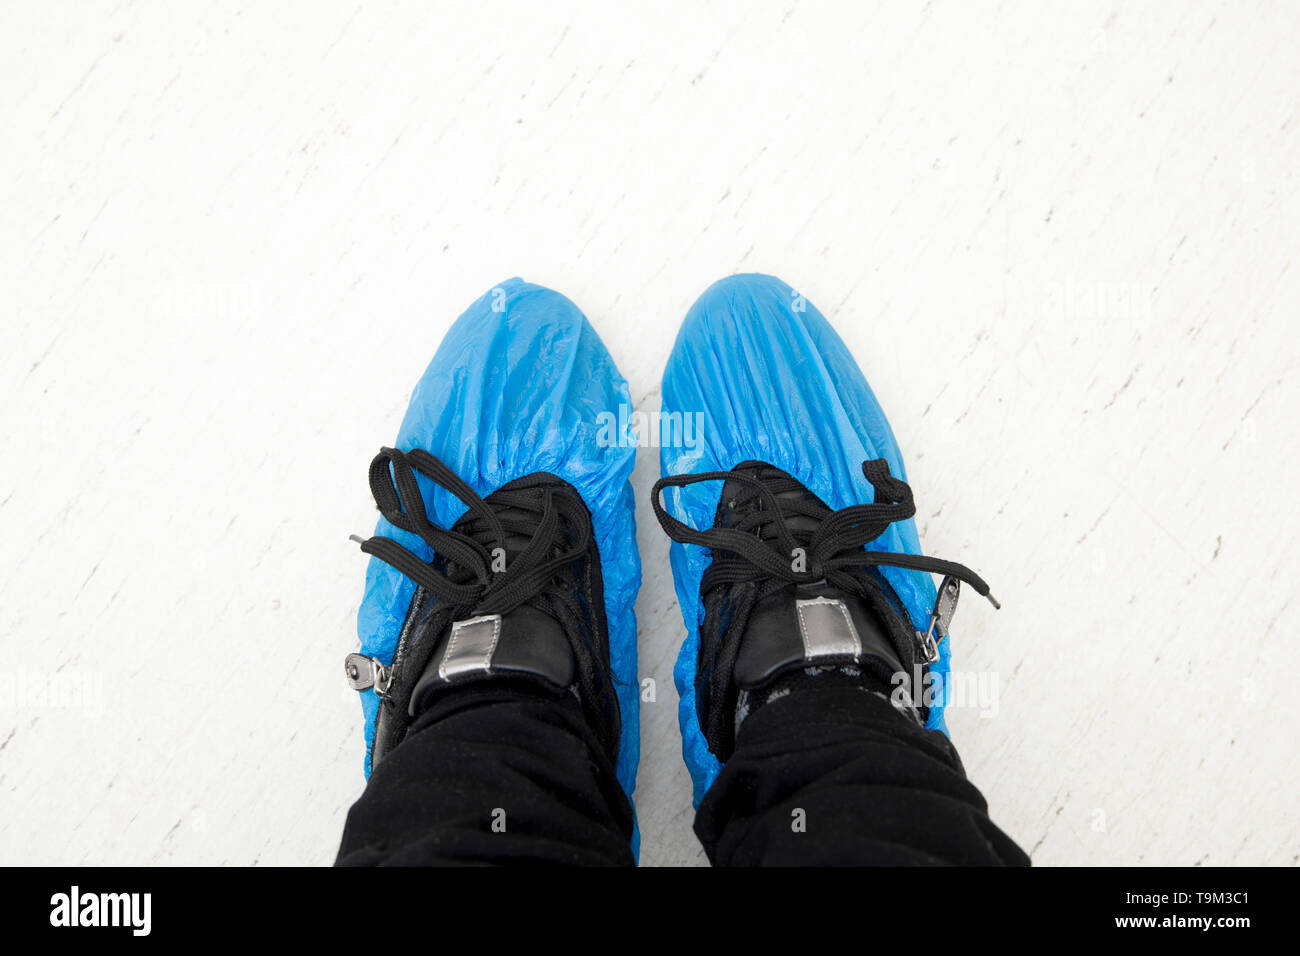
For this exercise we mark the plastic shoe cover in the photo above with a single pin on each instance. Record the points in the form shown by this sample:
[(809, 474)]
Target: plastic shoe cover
[(771, 381), (522, 384)]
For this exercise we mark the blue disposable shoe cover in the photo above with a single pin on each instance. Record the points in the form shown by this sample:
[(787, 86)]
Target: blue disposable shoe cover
[(771, 381), (522, 384)]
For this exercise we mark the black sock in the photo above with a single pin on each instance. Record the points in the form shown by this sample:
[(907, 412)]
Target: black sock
[(871, 677)]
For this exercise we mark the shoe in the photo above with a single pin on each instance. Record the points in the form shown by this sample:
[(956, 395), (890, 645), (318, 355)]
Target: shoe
[(794, 546), (501, 553)]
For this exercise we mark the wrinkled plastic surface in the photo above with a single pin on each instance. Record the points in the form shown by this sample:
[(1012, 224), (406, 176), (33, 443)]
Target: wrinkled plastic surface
[(773, 382), (518, 386)]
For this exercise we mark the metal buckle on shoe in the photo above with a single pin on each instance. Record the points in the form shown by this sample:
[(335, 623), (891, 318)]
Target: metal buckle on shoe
[(364, 673), (945, 606)]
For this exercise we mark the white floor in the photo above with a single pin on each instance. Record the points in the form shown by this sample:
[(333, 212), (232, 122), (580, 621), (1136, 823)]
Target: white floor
[(1061, 239)]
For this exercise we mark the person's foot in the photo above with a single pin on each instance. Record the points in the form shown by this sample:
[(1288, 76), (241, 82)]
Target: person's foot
[(795, 556), (501, 552)]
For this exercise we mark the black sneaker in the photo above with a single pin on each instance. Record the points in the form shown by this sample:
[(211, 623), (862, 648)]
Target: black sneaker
[(513, 594), (792, 588)]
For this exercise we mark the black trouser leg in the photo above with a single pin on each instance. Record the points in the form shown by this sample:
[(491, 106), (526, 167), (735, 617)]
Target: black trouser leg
[(838, 776), (492, 775)]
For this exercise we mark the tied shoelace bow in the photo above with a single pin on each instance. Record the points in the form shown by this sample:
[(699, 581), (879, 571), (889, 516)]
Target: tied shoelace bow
[(545, 519), (761, 545)]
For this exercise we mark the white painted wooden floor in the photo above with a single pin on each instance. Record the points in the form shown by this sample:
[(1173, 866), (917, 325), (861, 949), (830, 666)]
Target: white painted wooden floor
[(1061, 239)]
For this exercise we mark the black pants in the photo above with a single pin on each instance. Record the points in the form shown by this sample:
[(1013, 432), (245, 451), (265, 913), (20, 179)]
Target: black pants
[(821, 776)]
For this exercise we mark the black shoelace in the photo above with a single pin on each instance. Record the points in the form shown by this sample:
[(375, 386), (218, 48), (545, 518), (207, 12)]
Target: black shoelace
[(760, 546), (532, 513)]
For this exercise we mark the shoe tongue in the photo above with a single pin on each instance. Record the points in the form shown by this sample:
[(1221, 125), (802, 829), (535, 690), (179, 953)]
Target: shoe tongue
[(801, 625), (802, 525), (738, 501), (804, 625), (525, 644), (514, 542)]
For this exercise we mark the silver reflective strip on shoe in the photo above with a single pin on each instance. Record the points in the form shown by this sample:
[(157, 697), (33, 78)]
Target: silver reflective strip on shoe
[(471, 646), (827, 629)]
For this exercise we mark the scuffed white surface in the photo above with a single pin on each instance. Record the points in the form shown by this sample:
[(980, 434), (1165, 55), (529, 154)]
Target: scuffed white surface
[(1060, 238)]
